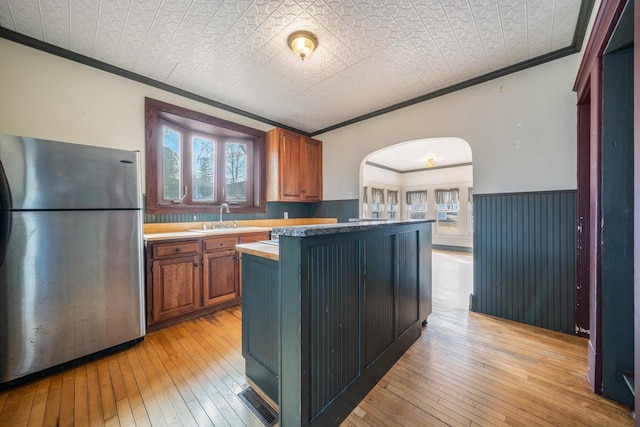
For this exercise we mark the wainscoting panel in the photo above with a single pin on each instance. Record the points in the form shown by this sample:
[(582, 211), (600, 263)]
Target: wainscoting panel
[(260, 309), (378, 295), (408, 281), (524, 257), (341, 209), (337, 287)]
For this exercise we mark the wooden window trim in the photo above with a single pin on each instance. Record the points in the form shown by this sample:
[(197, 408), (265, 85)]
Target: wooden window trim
[(157, 111)]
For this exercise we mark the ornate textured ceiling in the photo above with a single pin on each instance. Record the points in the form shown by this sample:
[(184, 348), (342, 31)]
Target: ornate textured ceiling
[(372, 55)]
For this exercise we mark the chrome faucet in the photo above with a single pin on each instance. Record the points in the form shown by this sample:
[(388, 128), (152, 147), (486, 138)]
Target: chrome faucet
[(223, 206)]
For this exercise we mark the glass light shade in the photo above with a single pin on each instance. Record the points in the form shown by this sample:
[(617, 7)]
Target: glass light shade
[(302, 43), (431, 163)]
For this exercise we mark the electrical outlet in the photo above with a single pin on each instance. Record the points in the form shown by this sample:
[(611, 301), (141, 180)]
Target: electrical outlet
[(286, 215)]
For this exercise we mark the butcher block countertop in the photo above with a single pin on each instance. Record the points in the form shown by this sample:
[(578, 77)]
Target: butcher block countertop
[(264, 250), (187, 234), (184, 230)]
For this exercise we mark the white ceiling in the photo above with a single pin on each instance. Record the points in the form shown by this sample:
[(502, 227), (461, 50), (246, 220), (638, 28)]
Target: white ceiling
[(371, 55), (413, 155)]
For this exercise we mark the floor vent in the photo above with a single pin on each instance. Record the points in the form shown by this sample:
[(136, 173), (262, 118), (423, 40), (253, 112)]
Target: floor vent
[(259, 407)]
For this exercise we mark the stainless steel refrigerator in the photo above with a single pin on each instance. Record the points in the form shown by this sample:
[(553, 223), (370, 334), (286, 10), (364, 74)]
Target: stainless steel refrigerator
[(71, 275)]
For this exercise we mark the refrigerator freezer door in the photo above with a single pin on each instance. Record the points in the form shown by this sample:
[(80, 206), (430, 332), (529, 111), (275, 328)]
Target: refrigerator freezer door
[(40, 174), (70, 286)]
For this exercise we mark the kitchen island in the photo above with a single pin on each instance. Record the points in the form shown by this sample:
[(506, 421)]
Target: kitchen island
[(328, 316)]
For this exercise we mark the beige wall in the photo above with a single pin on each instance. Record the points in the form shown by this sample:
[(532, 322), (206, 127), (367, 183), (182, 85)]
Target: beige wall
[(521, 127), (45, 96)]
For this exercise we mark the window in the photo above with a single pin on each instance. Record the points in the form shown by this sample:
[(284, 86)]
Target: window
[(196, 162), (447, 206), (377, 202), (392, 204), (417, 204)]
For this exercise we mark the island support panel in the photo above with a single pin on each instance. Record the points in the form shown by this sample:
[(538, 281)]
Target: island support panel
[(261, 322), (352, 304)]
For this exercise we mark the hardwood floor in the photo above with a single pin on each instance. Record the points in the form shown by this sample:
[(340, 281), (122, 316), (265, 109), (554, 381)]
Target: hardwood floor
[(466, 369)]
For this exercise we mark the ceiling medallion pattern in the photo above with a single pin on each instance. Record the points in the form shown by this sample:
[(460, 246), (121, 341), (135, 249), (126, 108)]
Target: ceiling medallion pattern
[(373, 53)]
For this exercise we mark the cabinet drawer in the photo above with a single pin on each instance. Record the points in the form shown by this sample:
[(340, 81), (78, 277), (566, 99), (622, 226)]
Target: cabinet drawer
[(220, 243), (178, 248), (252, 238)]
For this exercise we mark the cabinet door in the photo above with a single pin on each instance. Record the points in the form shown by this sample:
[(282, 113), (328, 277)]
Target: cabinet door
[(220, 277), (311, 170), (176, 286), (290, 173)]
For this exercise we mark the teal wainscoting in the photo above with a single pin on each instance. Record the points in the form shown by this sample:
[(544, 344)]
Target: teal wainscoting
[(341, 209), (525, 257)]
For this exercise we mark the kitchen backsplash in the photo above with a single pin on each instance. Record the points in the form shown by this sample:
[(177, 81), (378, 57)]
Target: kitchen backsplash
[(341, 209)]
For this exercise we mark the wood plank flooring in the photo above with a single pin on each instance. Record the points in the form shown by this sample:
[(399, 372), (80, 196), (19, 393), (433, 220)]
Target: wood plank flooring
[(467, 369)]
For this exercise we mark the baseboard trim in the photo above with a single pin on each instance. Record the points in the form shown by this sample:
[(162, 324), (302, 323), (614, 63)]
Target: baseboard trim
[(452, 248)]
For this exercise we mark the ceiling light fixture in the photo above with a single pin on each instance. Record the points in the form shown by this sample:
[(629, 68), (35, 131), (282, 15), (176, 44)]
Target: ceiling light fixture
[(431, 163), (302, 43)]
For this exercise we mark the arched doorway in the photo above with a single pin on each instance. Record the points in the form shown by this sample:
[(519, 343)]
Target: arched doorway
[(426, 178)]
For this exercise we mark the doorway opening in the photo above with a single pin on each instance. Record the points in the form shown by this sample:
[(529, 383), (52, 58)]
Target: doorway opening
[(429, 178)]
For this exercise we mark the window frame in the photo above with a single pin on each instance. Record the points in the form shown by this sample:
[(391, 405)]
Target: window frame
[(157, 114)]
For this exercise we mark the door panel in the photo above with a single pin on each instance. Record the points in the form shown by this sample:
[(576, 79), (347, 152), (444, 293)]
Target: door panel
[(220, 280), (70, 285), (176, 284), (312, 173), (74, 176), (290, 174)]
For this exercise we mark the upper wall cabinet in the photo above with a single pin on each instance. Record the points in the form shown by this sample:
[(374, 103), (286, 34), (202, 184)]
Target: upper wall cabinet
[(294, 167)]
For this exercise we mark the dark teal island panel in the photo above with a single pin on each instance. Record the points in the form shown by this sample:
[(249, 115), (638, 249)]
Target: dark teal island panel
[(409, 281), (379, 288), (351, 304), (334, 292), (260, 314)]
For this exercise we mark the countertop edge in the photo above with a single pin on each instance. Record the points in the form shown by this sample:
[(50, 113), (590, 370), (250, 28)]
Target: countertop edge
[(175, 235), (342, 227), (262, 250)]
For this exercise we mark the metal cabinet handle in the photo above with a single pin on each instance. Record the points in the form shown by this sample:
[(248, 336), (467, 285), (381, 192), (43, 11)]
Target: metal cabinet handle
[(178, 249)]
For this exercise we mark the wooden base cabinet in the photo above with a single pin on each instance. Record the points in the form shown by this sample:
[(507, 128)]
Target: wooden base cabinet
[(176, 286), (220, 277), (193, 277), (294, 167)]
